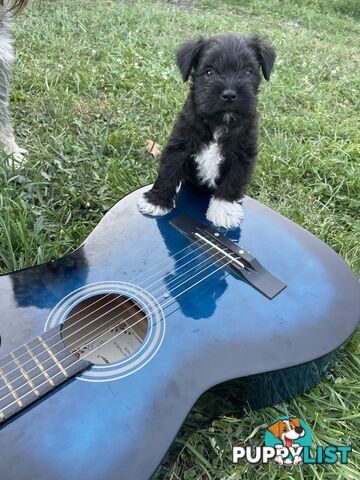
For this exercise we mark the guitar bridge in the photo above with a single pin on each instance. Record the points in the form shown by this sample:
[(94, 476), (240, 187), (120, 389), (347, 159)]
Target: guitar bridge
[(241, 261)]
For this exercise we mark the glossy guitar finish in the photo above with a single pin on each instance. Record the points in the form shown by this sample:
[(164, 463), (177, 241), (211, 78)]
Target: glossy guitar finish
[(223, 329)]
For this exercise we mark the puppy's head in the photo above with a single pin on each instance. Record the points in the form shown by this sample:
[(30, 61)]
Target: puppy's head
[(287, 429), (225, 70)]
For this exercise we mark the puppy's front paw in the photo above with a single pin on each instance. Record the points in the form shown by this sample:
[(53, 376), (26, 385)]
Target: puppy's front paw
[(20, 154), (224, 214), (148, 208), (12, 148)]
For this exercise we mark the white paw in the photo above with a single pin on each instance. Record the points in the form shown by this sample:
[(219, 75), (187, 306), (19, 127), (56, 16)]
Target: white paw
[(297, 460), (144, 206), (19, 154), (279, 460), (224, 214), (12, 149)]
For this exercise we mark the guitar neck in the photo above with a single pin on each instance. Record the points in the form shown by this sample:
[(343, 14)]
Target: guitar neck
[(33, 370)]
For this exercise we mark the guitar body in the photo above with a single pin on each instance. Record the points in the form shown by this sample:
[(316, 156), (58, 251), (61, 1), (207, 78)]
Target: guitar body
[(117, 421)]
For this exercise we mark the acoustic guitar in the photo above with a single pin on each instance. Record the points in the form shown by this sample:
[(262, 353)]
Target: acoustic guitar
[(105, 351)]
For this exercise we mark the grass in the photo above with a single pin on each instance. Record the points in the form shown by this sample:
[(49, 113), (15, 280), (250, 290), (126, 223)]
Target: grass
[(90, 85)]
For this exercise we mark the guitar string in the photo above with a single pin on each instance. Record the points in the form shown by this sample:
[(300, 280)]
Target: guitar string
[(110, 320), (118, 334), (166, 304), (96, 319), (204, 251), (107, 303), (134, 278)]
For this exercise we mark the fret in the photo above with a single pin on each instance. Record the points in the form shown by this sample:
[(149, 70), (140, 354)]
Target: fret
[(15, 391), (27, 356), (11, 388), (53, 356), (67, 360), (40, 366), (33, 370), (25, 375)]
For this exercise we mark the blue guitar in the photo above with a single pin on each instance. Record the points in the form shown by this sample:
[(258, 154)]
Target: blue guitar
[(105, 351)]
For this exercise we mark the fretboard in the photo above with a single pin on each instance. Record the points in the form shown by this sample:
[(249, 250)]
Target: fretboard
[(33, 370)]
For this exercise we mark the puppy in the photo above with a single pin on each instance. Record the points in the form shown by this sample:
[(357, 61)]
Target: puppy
[(7, 140), (214, 139), (287, 431)]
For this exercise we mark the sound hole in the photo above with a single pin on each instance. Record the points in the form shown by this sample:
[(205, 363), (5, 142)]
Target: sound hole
[(105, 328)]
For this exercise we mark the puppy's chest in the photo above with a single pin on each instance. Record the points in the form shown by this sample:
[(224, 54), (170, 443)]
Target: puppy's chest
[(208, 162)]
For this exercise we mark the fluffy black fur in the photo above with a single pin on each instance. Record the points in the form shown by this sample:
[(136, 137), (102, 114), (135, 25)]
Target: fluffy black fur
[(225, 74)]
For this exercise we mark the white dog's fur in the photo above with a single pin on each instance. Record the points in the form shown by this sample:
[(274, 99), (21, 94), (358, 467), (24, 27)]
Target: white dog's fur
[(7, 138), (208, 164), (224, 214), (149, 209)]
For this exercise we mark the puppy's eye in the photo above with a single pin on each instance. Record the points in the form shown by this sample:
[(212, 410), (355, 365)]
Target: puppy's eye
[(249, 71), (285, 429), (209, 72)]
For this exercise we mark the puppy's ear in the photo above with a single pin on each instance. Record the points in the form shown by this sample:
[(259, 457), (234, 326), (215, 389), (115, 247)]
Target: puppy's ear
[(188, 55), (276, 429), (295, 422), (266, 55)]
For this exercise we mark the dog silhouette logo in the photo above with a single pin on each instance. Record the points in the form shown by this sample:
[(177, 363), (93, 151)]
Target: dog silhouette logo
[(288, 435)]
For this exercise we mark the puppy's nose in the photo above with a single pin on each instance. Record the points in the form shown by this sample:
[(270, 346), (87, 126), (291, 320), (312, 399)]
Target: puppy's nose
[(299, 430), (228, 95)]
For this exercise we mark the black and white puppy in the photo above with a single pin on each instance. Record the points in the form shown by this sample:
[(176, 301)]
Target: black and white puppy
[(214, 139), (7, 138)]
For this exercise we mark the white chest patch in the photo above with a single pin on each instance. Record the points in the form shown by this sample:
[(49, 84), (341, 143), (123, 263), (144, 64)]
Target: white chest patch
[(208, 163)]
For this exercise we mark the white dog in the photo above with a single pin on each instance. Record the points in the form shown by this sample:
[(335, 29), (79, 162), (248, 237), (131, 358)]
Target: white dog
[(288, 431), (7, 140)]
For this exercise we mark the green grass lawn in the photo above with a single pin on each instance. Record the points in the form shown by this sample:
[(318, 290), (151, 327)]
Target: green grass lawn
[(91, 84)]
